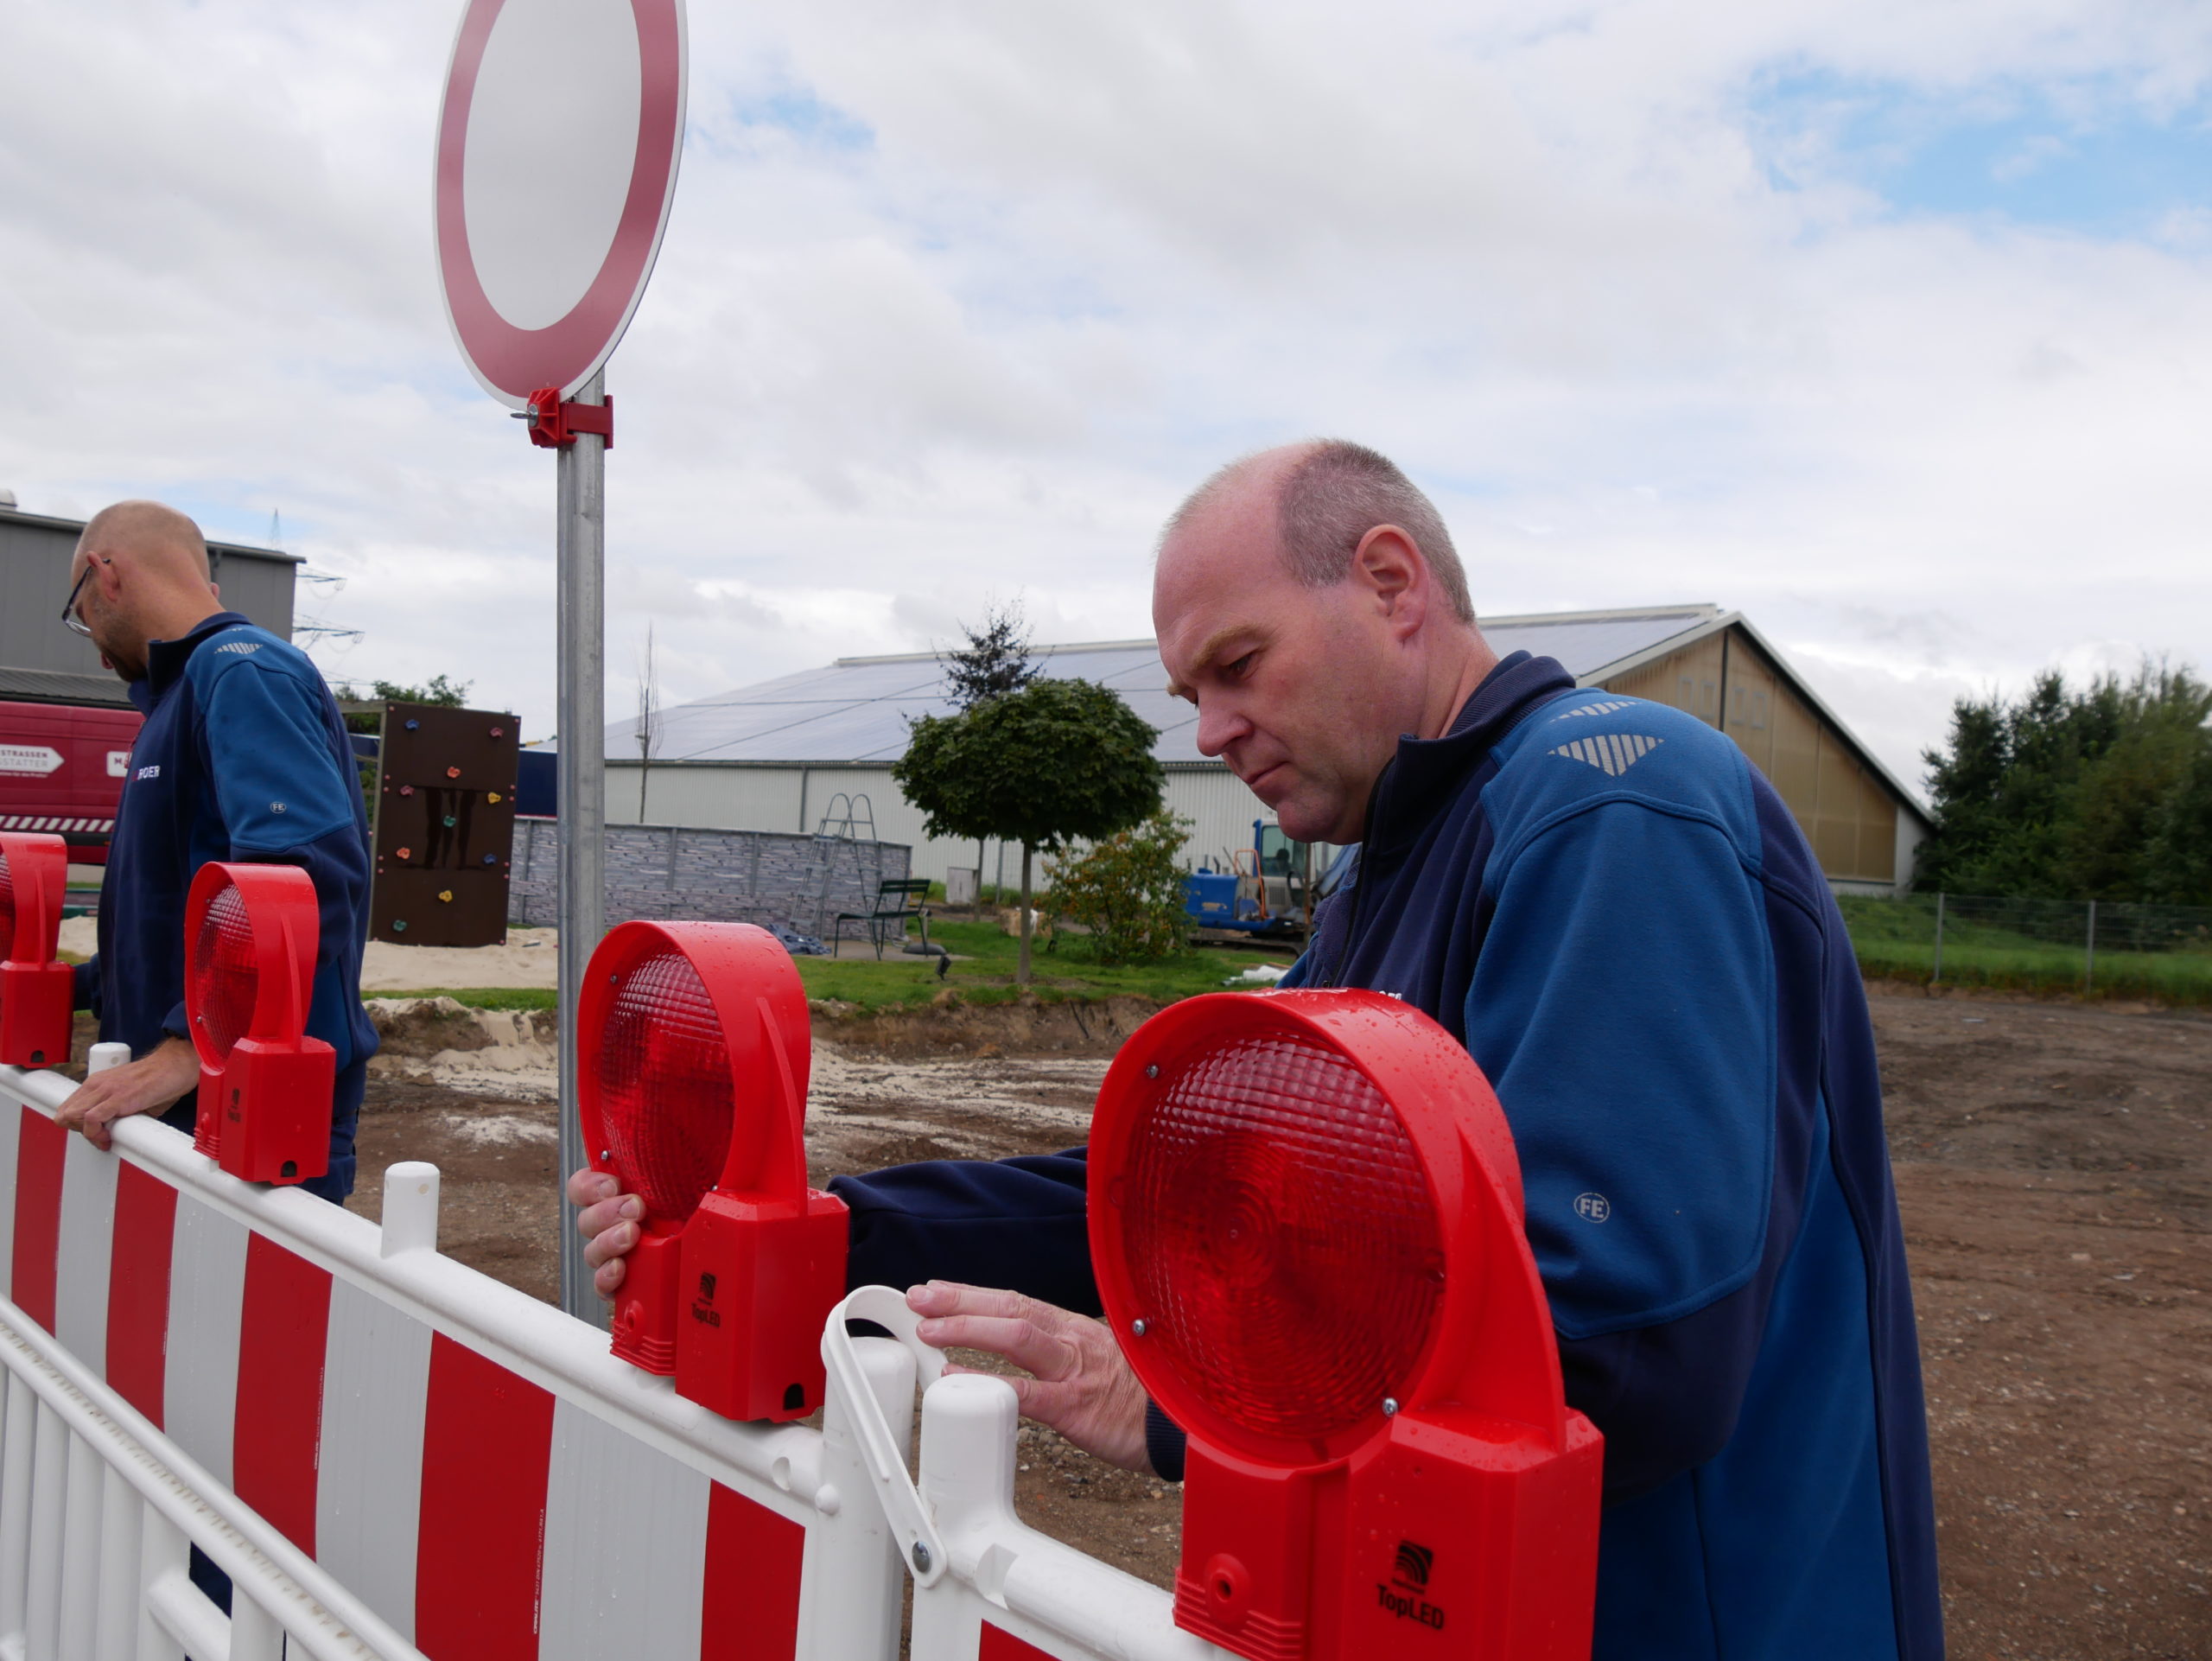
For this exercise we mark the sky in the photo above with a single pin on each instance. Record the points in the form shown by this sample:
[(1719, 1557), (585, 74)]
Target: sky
[(1886, 323)]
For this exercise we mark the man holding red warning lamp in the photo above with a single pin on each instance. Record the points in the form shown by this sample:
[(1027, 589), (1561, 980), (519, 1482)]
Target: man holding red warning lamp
[(1615, 912), (243, 757)]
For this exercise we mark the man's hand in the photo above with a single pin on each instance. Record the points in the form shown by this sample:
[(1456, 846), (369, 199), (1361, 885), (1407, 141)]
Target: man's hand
[(148, 1084), (1081, 1386), (609, 1219)]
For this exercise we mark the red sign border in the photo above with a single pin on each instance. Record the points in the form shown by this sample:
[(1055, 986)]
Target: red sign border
[(510, 362)]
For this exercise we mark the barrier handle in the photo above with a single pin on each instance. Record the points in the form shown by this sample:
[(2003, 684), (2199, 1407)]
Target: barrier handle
[(919, 1548)]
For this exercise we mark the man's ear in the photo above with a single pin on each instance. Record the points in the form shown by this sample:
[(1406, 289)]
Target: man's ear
[(1389, 566)]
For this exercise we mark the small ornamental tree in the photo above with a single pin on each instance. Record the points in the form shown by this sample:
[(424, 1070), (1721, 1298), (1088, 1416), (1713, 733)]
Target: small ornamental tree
[(995, 662), (1127, 891), (1057, 760)]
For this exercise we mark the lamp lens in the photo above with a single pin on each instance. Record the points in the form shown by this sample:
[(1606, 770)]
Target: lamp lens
[(226, 977), (665, 1097), (1282, 1236)]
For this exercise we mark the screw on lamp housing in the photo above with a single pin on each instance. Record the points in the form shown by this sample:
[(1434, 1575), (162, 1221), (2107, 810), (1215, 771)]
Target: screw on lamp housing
[(37, 988), (251, 933), (1314, 1198), (693, 1056)]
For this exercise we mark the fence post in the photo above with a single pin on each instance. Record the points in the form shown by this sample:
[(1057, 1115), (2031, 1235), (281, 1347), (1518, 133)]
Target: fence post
[(1937, 974), (2089, 957)]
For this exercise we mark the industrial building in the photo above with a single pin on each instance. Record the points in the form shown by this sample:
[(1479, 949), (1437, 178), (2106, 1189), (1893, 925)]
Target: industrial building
[(42, 661), (813, 751)]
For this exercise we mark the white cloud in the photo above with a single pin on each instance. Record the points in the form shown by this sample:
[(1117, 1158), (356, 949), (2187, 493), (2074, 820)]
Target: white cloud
[(956, 302)]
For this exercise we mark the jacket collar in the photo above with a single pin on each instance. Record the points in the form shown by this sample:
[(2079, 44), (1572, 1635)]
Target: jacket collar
[(165, 660), (1425, 774)]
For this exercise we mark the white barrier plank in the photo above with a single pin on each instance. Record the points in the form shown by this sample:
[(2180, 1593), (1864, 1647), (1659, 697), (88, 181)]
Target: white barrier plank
[(369, 1496), (11, 1130), (625, 1542), (200, 1384), (80, 1268)]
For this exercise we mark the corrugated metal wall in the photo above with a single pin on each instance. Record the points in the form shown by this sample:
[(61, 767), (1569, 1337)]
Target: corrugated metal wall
[(789, 798), (1845, 809)]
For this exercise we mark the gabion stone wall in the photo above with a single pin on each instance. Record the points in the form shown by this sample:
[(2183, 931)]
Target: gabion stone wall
[(669, 872)]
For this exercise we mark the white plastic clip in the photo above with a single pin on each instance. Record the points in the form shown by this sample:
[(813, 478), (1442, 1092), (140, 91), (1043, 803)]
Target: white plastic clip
[(919, 1548)]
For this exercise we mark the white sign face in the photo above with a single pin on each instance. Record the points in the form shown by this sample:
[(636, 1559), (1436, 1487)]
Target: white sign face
[(557, 153), (35, 759), (118, 764)]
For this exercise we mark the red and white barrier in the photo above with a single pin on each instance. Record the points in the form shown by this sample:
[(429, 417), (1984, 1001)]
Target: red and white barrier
[(468, 1466)]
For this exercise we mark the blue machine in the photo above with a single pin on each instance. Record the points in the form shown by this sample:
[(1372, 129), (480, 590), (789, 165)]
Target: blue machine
[(1264, 892)]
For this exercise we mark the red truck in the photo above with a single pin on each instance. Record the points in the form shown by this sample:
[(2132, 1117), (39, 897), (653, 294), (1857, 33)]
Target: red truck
[(62, 769)]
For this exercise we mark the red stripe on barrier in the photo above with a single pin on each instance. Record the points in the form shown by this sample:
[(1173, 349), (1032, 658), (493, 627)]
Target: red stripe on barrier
[(41, 1146), (750, 1609), (1005, 1646), (283, 1324), (480, 1552), (138, 1288)]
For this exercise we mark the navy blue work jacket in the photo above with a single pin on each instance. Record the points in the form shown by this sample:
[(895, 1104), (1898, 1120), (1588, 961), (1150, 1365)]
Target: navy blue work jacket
[(1616, 914), (244, 757)]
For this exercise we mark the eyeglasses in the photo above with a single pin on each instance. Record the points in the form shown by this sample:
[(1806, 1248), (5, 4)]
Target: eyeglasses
[(69, 606)]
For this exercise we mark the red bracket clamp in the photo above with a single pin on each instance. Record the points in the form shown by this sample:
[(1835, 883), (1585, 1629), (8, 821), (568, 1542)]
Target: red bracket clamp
[(553, 425)]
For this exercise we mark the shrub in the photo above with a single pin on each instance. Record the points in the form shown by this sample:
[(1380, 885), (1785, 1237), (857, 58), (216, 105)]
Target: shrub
[(1127, 891)]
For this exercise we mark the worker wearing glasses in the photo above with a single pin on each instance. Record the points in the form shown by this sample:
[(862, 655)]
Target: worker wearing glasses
[(243, 756)]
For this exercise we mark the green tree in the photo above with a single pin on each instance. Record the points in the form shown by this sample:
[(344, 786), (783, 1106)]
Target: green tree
[(2073, 794), (1127, 891), (995, 662), (1057, 761), (446, 694)]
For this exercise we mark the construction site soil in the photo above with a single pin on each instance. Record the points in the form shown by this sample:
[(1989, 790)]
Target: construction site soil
[(2054, 1168)]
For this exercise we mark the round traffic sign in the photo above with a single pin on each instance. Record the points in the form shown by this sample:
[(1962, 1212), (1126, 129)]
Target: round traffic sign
[(557, 150)]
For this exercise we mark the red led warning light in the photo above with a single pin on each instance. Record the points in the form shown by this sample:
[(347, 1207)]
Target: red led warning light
[(693, 1056), (251, 933), (1312, 1248), (35, 989)]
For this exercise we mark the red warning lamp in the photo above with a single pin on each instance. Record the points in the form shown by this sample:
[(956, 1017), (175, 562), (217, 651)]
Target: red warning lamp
[(691, 1069), (35, 990), (1311, 1245), (250, 932)]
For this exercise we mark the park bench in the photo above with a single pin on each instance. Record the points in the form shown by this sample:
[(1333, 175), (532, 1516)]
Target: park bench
[(897, 902)]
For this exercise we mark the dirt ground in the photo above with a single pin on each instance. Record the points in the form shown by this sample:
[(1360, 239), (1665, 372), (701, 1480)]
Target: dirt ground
[(2054, 1170)]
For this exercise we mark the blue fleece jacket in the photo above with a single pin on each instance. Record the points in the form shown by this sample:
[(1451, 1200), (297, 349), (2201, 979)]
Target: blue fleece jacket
[(244, 757), (1614, 912)]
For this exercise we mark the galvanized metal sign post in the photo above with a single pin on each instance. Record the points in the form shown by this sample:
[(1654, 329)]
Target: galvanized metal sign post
[(557, 148)]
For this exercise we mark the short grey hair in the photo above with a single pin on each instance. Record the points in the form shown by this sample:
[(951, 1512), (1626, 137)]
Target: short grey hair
[(1329, 498)]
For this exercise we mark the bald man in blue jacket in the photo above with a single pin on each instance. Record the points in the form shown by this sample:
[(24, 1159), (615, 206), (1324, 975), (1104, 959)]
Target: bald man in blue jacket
[(243, 757), (1609, 906)]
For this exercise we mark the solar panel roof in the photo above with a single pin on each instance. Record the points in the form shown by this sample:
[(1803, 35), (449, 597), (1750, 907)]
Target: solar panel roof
[(857, 708)]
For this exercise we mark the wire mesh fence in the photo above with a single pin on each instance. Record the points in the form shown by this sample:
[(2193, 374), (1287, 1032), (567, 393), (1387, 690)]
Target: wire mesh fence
[(2102, 947)]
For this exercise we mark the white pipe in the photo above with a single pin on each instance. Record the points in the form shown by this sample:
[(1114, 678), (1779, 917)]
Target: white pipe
[(15, 1438), (120, 1509), (968, 1422), (162, 1552), (80, 1554), (49, 1491), (181, 1610)]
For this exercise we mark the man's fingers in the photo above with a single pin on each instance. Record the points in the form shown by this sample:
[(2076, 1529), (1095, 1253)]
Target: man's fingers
[(608, 1213), (609, 1246), (941, 1298), (588, 1187), (607, 1277), (1047, 1354)]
